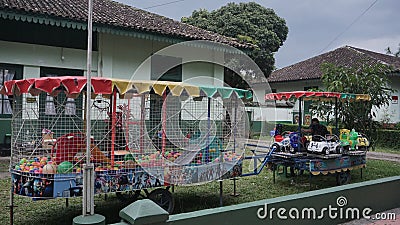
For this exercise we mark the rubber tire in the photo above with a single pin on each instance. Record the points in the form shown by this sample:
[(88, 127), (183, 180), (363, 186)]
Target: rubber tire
[(163, 198), (277, 149), (338, 150), (325, 151), (128, 196), (343, 178)]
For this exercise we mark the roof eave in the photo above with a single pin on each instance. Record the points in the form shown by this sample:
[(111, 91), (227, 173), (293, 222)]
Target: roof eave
[(32, 17)]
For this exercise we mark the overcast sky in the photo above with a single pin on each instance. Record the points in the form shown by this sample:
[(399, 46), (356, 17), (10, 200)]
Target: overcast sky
[(313, 24)]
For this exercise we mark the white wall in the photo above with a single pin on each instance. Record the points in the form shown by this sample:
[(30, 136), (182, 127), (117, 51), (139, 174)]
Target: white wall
[(295, 86), (120, 56), (271, 114), (34, 56), (392, 111)]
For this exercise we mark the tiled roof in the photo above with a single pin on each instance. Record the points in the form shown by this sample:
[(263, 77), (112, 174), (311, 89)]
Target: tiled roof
[(107, 12), (346, 56)]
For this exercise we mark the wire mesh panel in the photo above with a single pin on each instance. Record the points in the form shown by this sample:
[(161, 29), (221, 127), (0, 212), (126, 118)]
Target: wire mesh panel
[(140, 138)]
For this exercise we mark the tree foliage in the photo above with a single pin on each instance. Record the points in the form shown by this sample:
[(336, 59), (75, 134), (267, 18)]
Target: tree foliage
[(365, 79), (247, 22), (390, 52)]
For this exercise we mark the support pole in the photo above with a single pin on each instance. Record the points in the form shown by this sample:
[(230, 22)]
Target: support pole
[(113, 124), (300, 123), (207, 155), (220, 193), (336, 117), (234, 194), (11, 204), (164, 124), (88, 216), (11, 188), (235, 125), (142, 122), (88, 176)]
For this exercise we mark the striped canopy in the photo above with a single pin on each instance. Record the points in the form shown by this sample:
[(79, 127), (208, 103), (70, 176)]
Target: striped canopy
[(73, 86), (318, 96)]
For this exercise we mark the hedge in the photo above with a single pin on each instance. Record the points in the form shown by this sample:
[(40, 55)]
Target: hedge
[(388, 139)]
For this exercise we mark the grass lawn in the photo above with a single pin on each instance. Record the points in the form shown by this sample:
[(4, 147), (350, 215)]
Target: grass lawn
[(186, 198)]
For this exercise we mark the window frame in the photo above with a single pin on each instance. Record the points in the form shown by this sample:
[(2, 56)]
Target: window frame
[(17, 76)]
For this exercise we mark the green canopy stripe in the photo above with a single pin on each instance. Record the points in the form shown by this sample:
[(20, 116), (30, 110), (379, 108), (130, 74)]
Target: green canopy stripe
[(225, 92)]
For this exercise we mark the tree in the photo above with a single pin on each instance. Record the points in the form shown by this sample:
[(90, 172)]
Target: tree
[(367, 78), (247, 22), (396, 54)]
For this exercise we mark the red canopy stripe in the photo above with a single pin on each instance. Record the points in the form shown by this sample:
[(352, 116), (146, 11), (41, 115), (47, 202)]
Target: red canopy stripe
[(74, 85), (101, 85), (299, 94)]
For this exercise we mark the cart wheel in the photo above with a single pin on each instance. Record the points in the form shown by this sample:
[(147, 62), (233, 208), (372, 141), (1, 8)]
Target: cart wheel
[(338, 150), (346, 149), (163, 198), (276, 146), (325, 151), (128, 196), (343, 178), (296, 172)]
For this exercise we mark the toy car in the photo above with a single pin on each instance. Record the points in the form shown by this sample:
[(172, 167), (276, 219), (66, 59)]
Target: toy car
[(352, 140), (281, 142), (287, 142), (325, 145), (362, 142)]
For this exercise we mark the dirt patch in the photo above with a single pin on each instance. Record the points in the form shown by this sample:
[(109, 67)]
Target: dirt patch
[(384, 156)]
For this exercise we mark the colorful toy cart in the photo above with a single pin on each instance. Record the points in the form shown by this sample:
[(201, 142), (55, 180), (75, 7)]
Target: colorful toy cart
[(333, 97), (331, 160), (145, 134)]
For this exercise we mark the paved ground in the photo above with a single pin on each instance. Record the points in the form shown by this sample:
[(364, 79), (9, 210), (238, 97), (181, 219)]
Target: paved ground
[(384, 156)]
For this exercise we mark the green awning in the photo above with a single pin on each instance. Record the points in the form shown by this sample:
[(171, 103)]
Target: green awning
[(225, 92)]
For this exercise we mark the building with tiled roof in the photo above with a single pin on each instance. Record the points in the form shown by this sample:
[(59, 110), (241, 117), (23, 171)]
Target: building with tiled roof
[(346, 56), (307, 75), (42, 38), (107, 15)]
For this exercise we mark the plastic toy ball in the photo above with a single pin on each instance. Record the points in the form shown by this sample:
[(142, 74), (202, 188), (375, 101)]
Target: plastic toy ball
[(129, 157), (65, 167), (49, 169), (22, 161)]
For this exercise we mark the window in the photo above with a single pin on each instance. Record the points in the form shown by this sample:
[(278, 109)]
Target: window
[(60, 103), (59, 113), (8, 72), (308, 104)]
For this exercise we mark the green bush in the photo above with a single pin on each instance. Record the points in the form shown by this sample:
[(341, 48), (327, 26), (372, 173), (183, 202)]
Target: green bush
[(388, 139)]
